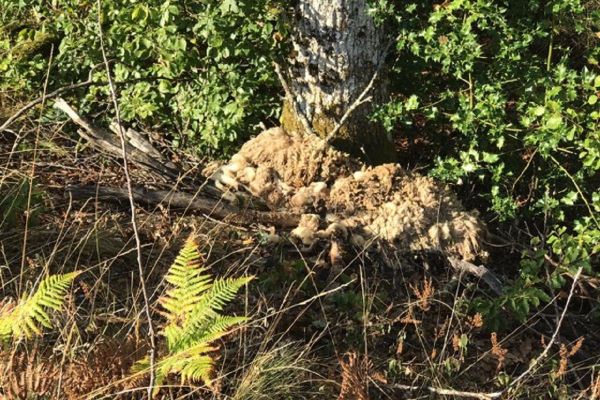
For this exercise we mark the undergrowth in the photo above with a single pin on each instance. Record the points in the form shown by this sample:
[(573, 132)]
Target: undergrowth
[(499, 99), (192, 309)]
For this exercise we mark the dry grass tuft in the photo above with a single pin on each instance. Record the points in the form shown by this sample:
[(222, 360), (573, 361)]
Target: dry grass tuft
[(274, 374)]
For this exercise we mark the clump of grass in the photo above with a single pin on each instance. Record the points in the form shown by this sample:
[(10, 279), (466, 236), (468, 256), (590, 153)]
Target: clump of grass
[(278, 373)]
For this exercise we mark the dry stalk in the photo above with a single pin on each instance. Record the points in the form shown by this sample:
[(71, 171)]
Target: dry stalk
[(595, 388), (424, 295), (138, 244), (565, 354)]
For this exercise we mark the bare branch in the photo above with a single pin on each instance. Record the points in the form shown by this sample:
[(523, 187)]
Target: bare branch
[(41, 100), (361, 99)]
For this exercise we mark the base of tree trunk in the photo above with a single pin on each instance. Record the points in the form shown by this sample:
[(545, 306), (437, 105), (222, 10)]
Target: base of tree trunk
[(360, 138)]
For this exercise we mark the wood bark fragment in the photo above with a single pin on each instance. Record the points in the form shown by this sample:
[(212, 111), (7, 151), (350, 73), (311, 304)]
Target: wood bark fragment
[(479, 271), (109, 143)]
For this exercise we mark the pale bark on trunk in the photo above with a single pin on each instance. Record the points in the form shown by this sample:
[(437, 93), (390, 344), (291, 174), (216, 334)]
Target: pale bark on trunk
[(337, 48)]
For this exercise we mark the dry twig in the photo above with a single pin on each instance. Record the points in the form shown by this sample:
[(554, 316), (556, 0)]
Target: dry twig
[(138, 243)]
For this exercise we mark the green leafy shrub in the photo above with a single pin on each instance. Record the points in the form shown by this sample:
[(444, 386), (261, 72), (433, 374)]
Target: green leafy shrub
[(25, 318), (192, 307), (507, 94), (197, 69)]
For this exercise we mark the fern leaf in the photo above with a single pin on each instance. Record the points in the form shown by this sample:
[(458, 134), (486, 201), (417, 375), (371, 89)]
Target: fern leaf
[(193, 364), (191, 305), (214, 329), (213, 301), (198, 369), (189, 281), (223, 323), (25, 318)]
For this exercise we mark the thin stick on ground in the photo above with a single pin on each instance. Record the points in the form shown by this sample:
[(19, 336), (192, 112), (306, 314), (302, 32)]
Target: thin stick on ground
[(138, 243), (32, 173)]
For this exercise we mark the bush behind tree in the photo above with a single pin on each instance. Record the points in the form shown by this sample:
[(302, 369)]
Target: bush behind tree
[(199, 70), (507, 91)]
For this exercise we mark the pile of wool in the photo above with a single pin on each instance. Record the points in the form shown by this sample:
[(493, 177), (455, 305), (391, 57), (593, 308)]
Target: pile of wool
[(343, 199)]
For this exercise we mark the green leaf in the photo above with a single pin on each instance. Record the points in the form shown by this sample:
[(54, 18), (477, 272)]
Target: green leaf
[(539, 111), (570, 198), (554, 122)]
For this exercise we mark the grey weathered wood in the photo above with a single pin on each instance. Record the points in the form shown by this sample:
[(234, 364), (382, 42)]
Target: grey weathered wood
[(109, 143), (186, 201), (479, 271)]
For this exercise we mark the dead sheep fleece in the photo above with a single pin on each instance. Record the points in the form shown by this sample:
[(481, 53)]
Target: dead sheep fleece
[(341, 197)]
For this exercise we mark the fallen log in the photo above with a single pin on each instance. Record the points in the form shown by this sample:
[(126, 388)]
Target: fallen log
[(198, 203)]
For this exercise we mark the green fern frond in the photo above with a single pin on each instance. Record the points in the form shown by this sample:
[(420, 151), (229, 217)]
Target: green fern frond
[(198, 369), (204, 314), (25, 318), (223, 323), (212, 330), (186, 275), (191, 305), (175, 362), (223, 291)]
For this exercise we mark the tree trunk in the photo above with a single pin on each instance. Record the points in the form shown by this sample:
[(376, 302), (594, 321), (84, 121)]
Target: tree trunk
[(337, 48)]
